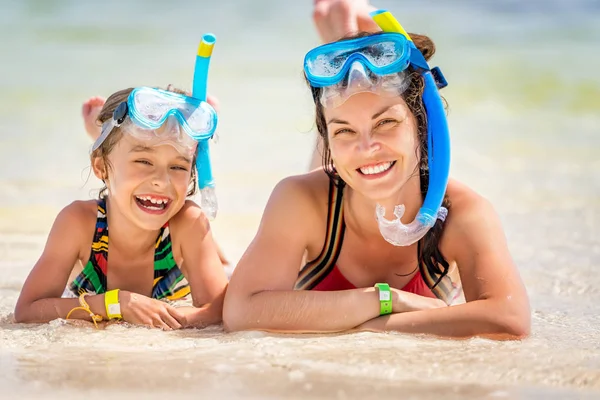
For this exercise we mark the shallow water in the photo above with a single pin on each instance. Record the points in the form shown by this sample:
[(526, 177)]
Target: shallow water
[(524, 100)]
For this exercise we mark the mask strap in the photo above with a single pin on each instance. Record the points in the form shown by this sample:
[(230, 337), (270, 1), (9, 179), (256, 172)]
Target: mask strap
[(117, 119)]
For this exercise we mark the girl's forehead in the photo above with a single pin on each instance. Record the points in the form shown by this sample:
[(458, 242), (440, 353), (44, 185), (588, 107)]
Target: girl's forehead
[(165, 149), (126, 143)]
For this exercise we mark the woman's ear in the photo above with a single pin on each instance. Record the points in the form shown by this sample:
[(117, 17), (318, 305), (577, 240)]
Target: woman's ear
[(332, 162), (100, 168)]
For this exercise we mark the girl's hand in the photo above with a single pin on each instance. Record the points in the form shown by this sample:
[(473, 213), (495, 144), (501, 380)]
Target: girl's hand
[(141, 310)]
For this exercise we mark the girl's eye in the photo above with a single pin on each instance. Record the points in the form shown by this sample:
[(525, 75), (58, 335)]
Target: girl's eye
[(180, 168), (145, 162)]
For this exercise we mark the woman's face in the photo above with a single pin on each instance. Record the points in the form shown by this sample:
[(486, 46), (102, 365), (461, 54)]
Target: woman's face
[(374, 144)]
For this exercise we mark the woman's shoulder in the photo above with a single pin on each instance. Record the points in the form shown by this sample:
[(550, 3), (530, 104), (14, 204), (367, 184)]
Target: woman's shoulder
[(295, 216), (465, 202), (310, 185), (469, 215), (306, 192)]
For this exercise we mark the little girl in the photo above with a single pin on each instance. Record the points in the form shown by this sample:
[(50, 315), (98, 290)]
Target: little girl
[(161, 245), (91, 109)]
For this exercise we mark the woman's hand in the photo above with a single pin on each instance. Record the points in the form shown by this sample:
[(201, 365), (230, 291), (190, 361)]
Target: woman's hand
[(141, 310), (405, 301)]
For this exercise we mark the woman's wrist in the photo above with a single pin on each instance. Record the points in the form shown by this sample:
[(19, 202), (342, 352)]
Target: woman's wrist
[(398, 301), (385, 298)]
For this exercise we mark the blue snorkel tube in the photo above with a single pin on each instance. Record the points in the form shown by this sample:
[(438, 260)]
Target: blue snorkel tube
[(438, 146), (438, 150), (206, 182)]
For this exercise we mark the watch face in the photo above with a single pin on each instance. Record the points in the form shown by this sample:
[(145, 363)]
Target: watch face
[(114, 309), (384, 296)]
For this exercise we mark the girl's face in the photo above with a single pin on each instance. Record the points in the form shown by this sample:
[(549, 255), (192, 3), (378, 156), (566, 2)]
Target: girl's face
[(148, 184), (374, 144)]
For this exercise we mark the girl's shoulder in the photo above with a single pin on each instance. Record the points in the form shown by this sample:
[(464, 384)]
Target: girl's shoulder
[(81, 213), (191, 219), (76, 221)]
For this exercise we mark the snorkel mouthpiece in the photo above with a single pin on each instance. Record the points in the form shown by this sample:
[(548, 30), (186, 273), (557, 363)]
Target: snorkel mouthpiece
[(399, 234), (206, 182), (438, 149)]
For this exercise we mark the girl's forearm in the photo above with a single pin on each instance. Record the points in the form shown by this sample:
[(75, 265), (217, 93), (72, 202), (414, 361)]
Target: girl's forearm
[(45, 310)]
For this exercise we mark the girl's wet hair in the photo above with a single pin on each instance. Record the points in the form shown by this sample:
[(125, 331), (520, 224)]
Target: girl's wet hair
[(108, 145), (430, 256)]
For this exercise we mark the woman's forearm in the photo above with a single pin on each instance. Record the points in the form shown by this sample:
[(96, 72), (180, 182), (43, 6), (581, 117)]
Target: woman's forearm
[(303, 311), (487, 318)]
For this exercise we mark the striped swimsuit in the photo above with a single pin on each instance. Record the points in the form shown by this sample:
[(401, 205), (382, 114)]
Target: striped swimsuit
[(169, 282), (322, 273)]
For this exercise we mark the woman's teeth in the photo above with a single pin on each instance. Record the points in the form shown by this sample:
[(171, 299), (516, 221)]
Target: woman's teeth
[(376, 169)]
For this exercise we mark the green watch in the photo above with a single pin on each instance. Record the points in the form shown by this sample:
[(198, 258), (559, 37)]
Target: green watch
[(385, 298)]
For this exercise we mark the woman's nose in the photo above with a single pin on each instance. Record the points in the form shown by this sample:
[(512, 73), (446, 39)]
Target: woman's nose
[(369, 144)]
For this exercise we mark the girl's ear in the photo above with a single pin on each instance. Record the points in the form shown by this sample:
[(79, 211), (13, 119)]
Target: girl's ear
[(99, 167)]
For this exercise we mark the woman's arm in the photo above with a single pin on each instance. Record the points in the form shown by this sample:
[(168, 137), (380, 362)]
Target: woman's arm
[(497, 304), (202, 265), (260, 294)]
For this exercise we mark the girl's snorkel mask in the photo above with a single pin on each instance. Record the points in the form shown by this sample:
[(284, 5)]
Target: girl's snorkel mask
[(163, 117), (377, 64)]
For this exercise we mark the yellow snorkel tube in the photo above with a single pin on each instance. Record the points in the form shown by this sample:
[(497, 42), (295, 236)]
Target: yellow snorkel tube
[(388, 23)]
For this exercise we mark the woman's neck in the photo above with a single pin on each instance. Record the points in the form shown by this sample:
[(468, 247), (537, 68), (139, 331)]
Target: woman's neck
[(360, 210)]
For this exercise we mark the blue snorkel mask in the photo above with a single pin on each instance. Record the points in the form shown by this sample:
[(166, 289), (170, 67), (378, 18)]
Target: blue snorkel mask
[(378, 64), (185, 122)]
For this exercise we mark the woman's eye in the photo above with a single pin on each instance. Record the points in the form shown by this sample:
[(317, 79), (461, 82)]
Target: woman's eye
[(386, 121), (343, 130)]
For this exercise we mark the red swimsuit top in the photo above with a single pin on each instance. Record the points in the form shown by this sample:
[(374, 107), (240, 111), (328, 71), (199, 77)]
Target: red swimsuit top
[(322, 273)]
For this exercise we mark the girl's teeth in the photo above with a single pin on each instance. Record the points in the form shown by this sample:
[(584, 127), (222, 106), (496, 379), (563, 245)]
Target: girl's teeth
[(153, 200)]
